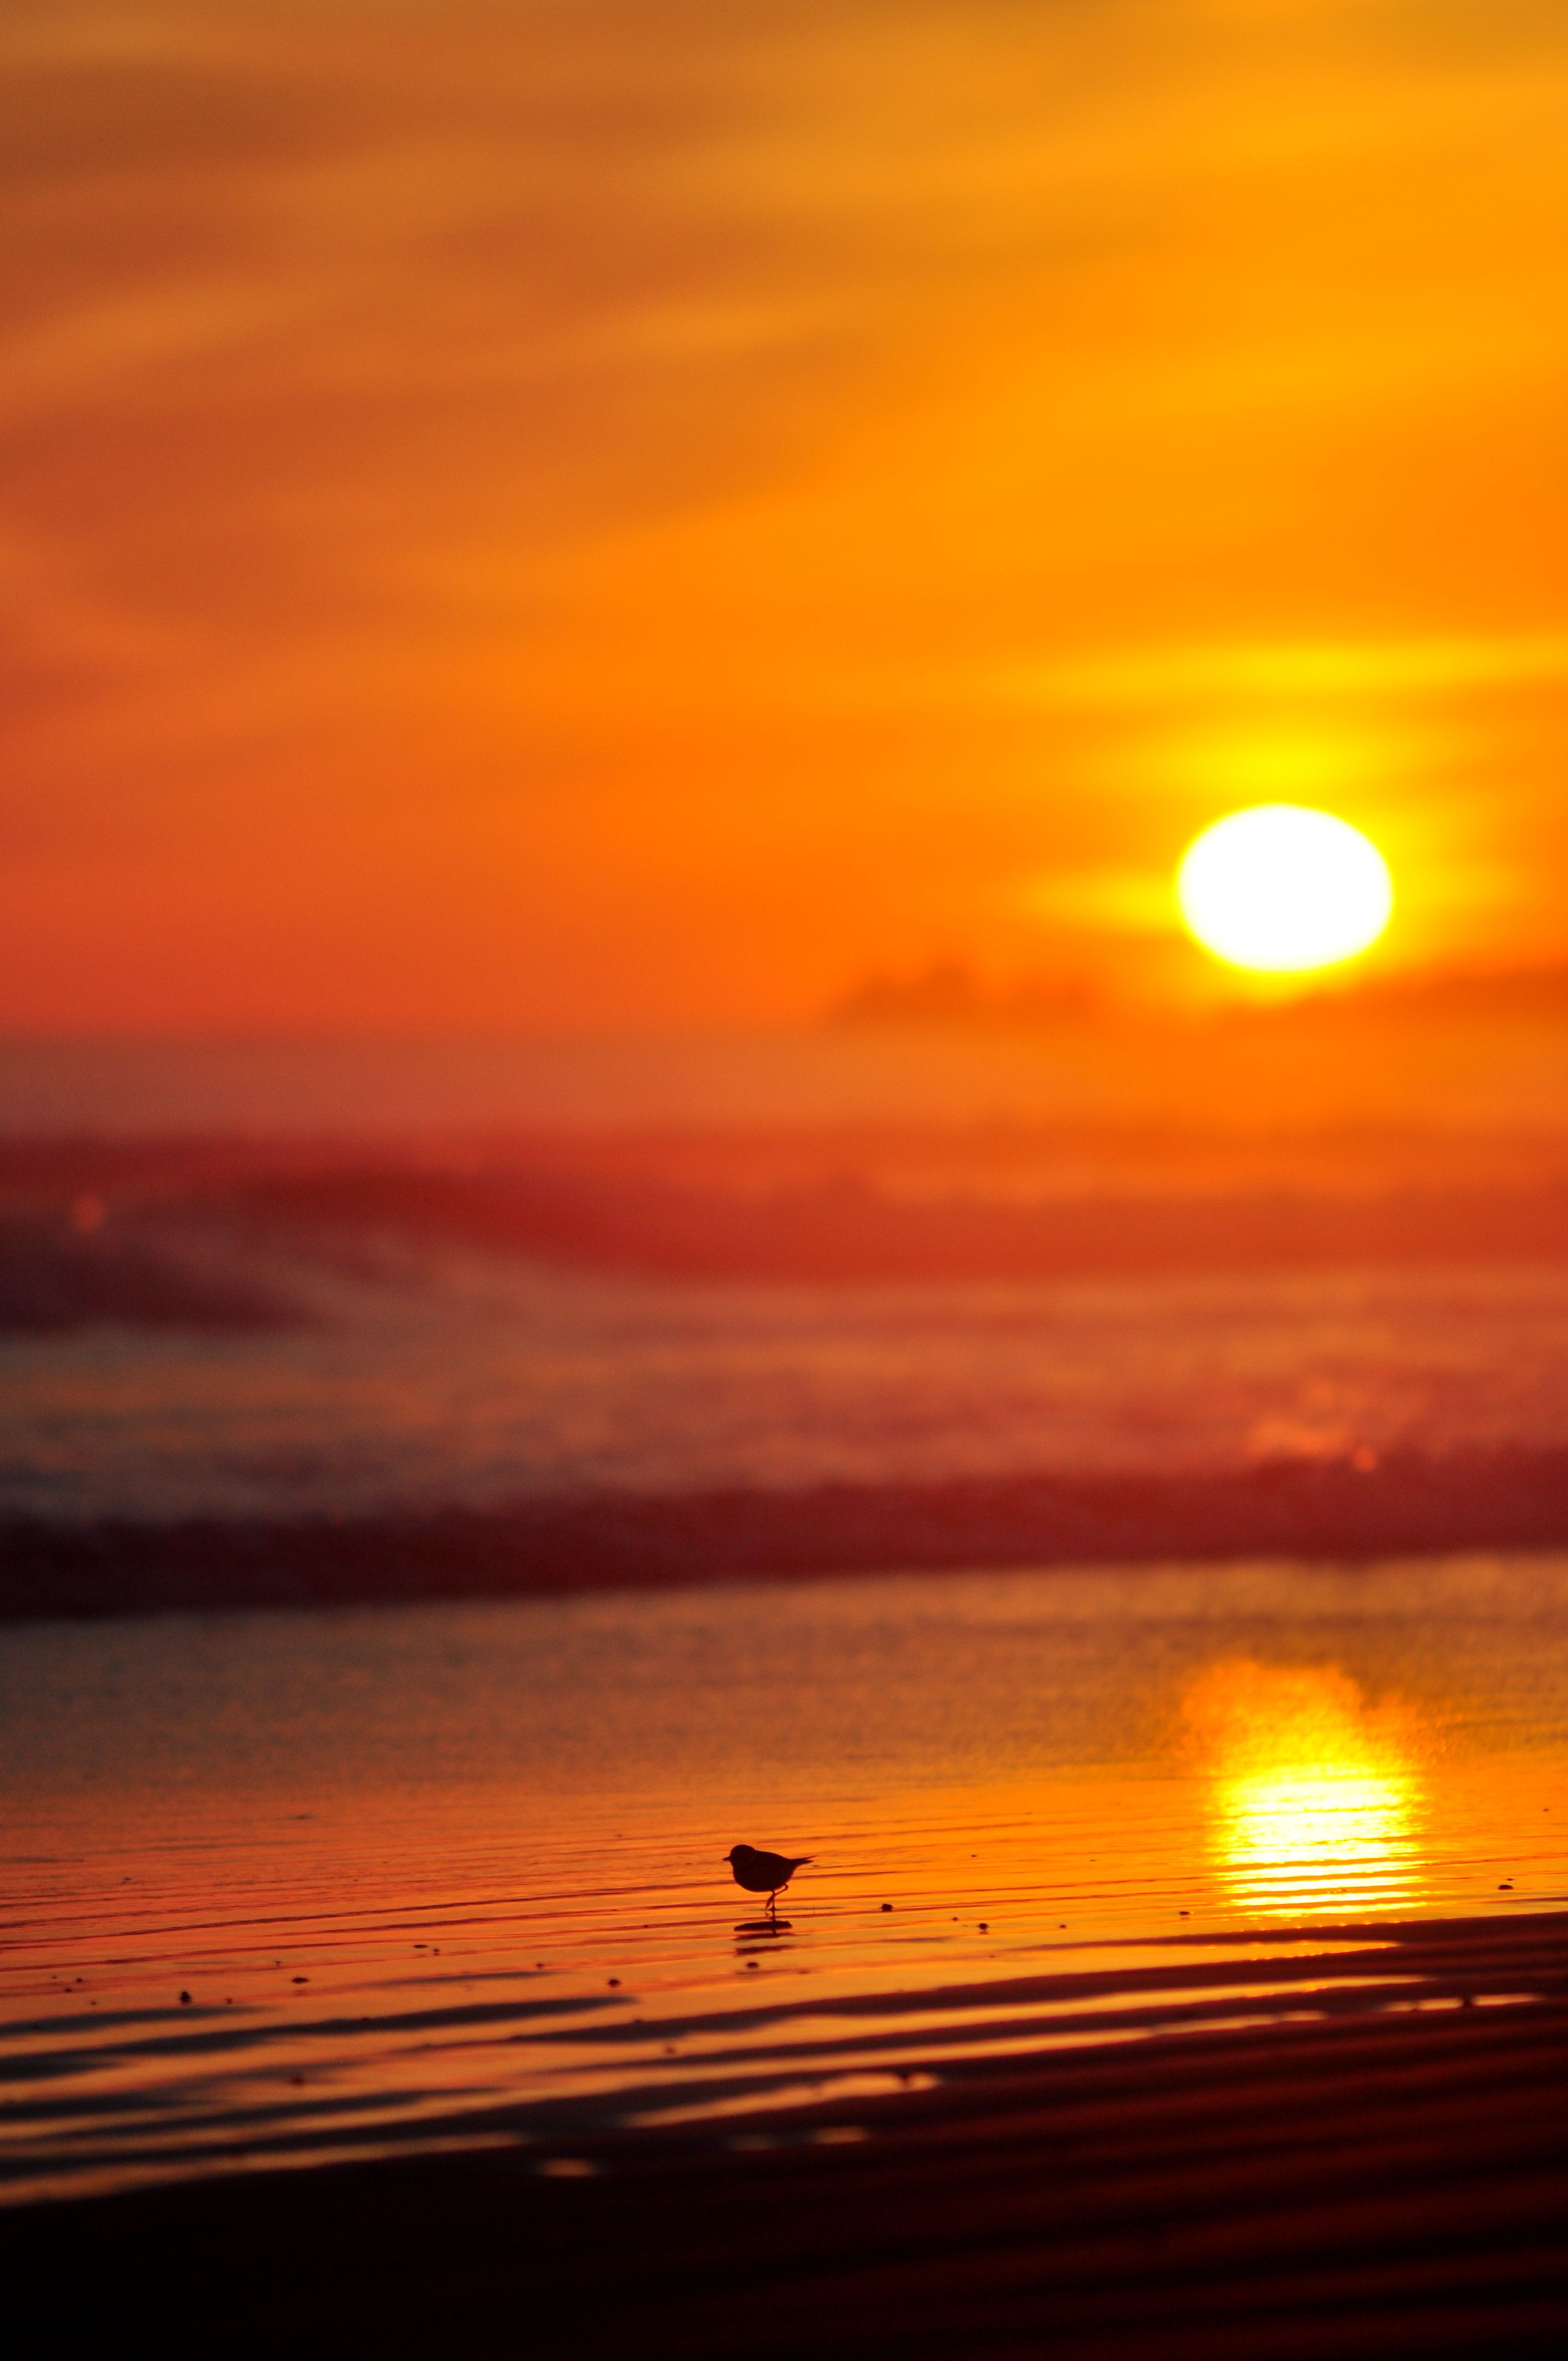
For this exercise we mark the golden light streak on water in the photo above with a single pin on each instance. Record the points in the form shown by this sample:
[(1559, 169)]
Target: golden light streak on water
[(1319, 1840), (1315, 1800)]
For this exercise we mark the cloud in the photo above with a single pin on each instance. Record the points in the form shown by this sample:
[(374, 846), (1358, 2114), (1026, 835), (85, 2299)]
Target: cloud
[(1325, 669)]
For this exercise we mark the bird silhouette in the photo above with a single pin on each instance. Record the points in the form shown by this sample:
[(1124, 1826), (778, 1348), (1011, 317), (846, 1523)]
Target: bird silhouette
[(763, 1873)]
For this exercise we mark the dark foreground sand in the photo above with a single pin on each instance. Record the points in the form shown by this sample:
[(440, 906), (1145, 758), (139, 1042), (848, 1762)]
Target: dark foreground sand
[(1372, 2184)]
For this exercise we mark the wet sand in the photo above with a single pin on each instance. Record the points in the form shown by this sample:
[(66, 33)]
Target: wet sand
[(1377, 2182), (1182, 1969), (285, 1891)]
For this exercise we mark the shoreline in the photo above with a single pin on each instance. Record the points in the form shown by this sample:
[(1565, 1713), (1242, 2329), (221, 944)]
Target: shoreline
[(1377, 2182), (1407, 1504)]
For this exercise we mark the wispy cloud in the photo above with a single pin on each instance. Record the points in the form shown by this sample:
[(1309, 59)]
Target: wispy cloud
[(1321, 669)]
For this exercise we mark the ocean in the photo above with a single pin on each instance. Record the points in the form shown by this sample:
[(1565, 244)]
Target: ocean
[(1127, 1557)]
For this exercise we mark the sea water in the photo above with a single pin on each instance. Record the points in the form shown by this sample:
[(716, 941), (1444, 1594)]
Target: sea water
[(436, 1379)]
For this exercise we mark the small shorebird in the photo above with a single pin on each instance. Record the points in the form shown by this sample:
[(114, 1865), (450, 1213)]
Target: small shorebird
[(763, 1873)]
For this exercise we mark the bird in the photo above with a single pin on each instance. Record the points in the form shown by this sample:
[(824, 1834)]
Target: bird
[(763, 1873)]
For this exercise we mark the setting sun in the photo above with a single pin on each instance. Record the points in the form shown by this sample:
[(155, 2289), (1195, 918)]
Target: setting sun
[(1281, 888)]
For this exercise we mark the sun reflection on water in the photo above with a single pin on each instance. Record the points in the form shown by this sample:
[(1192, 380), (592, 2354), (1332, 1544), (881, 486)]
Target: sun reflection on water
[(1314, 1795)]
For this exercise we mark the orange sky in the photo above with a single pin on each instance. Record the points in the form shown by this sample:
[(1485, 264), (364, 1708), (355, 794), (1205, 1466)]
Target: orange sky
[(626, 512)]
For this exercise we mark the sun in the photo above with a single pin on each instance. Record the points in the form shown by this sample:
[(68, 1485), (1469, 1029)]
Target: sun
[(1279, 888)]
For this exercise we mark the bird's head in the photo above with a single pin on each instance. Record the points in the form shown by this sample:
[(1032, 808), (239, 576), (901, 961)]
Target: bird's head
[(738, 1853)]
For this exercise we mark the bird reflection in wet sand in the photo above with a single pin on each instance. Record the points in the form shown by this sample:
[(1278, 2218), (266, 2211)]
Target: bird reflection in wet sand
[(763, 1873)]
